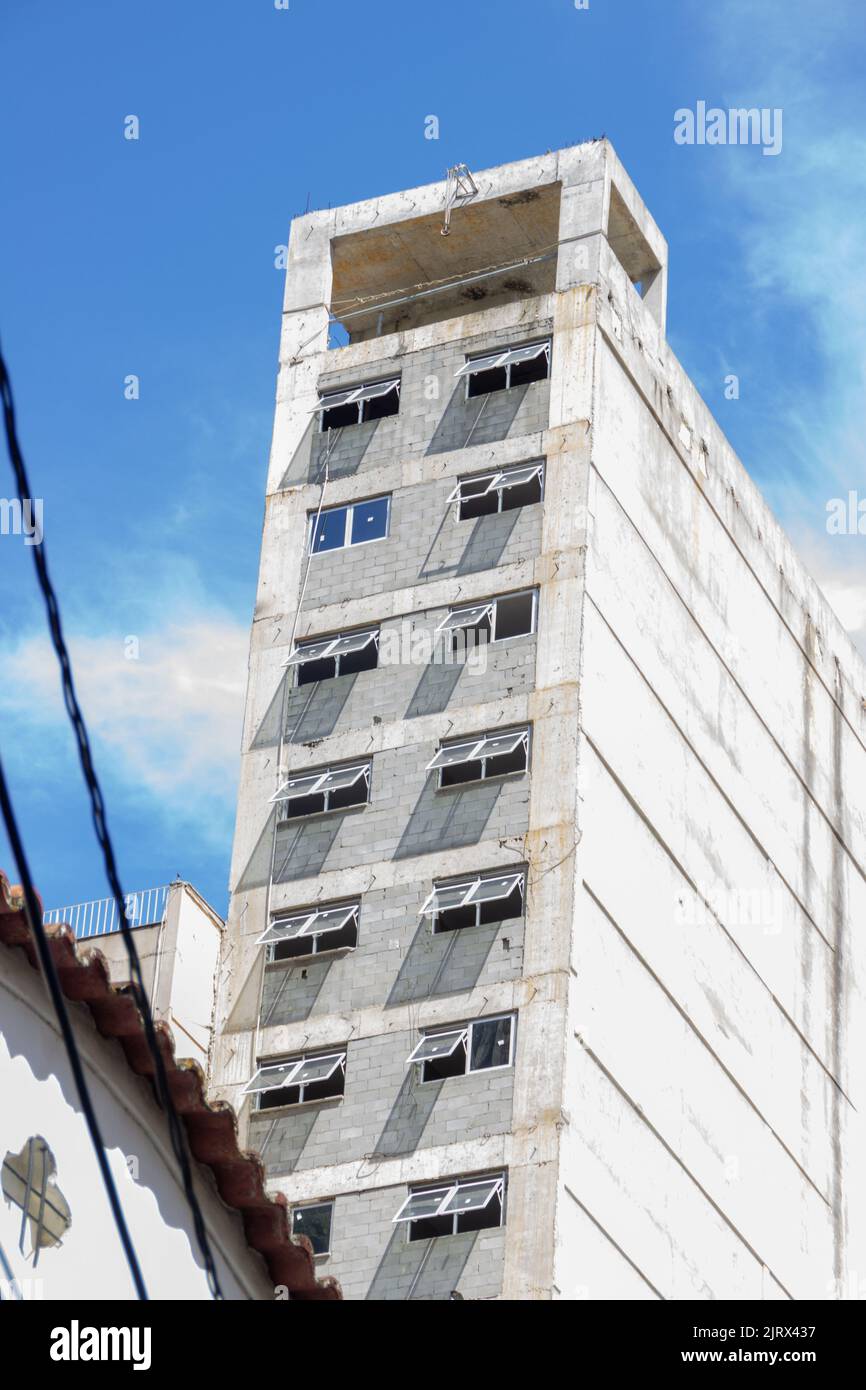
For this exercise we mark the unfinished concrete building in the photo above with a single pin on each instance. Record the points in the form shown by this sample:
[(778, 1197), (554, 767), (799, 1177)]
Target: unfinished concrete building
[(543, 976)]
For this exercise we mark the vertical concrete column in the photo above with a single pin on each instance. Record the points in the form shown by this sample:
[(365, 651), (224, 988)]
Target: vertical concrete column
[(303, 347), (551, 842)]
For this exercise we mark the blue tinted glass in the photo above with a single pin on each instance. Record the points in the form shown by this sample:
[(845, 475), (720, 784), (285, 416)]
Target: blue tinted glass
[(369, 520), (330, 531)]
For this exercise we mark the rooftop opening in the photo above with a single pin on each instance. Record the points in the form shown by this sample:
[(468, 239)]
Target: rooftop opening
[(406, 274), (630, 246)]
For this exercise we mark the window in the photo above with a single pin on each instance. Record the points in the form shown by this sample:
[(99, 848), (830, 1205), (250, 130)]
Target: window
[(483, 1045), (467, 1204), (343, 655), (312, 931), (498, 492), (298, 1079), (474, 902), (371, 402), (476, 759), (335, 528), (314, 1222), (331, 789), (498, 371), (513, 615)]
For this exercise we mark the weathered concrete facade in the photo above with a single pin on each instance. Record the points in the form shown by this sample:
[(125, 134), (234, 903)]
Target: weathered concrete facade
[(680, 1117)]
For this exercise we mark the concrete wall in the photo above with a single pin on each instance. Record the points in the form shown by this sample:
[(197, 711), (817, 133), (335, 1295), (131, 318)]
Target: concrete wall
[(40, 1099), (179, 962), (679, 1121)]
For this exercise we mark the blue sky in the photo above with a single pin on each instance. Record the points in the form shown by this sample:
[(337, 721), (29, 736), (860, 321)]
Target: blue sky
[(156, 257)]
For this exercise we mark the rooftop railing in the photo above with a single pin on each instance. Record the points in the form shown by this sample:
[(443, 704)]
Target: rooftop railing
[(98, 918)]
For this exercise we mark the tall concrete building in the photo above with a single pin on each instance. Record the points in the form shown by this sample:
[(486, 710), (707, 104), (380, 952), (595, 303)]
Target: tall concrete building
[(543, 976)]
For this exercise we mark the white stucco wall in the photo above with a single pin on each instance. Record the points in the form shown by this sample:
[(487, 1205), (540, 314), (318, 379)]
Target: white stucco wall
[(39, 1098)]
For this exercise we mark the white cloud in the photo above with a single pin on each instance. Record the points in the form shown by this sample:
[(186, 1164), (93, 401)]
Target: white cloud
[(167, 724)]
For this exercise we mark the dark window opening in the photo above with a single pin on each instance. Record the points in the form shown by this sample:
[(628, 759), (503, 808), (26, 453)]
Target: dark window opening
[(380, 407), (317, 944), (315, 1223), (521, 494), (484, 383), (338, 416), (311, 671), (514, 616), (365, 659), (499, 492), (536, 369), (456, 773)]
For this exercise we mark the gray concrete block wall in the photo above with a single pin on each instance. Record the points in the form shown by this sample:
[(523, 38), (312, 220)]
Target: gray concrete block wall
[(407, 815), (434, 415), (374, 1259), (398, 960), (386, 1111), (410, 689), (426, 541)]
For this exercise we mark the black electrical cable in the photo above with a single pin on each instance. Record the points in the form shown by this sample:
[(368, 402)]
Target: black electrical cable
[(176, 1130), (33, 912)]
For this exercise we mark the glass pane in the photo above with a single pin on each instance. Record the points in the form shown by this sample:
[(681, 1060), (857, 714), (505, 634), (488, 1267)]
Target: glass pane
[(353, 643), (482, 364), (474, 487), (336, 398), (315, 1224), (287, 928), (471, 1196), (343, 777), (453, 754), (501, 743), (317, 1069), (491, 1044), (270, 1077), (332, 919), (451, 896), (297, 786), (369, 520), (312, 651), (526, 354), (465, 617), (330, 530), (379, 388), (422, 1204), (439, 1045), (517, 476), (490, 888)]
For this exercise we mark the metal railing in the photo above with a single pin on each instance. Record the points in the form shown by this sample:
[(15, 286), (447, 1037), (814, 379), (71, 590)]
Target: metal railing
[(98, 918)]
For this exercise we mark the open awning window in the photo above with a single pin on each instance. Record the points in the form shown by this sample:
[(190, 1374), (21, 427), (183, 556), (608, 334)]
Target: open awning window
[(471, 616), (491, 746), (450, 1199), (317, 922), (299, 1071), (370, 392), (332, 647), (506, 358), (316, 783), (436, 1045), (496, 482), (452, 895)]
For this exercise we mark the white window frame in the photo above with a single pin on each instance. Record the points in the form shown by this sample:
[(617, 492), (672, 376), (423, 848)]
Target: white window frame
[(476, 753), (282, 927), (349, 509), (316, 780), (352, 395), (307, 1206), (432, 909), (329, 645), (464, 1035), (507, 358), (497, 482), (489, 609), (296, 1066), (495, 1181)]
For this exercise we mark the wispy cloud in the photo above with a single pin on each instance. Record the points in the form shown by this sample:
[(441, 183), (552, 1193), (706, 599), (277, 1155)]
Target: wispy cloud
[(165, 714), (803, 251)]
